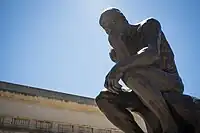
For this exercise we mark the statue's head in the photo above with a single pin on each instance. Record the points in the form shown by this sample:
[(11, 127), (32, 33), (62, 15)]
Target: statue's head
[(112, 20)]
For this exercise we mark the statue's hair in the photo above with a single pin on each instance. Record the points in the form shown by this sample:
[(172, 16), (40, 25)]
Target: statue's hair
[(110, 11)]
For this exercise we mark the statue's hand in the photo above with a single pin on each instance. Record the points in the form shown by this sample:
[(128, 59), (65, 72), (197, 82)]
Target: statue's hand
[(112, 80), (113, 55)]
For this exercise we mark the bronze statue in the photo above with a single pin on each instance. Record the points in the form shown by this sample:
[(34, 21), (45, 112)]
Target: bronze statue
[(145, 63)]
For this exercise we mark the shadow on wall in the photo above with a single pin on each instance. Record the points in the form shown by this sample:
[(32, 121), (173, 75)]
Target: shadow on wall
[(32, 91)]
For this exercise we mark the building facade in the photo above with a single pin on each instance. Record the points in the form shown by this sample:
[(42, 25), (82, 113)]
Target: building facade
[(27, 109)]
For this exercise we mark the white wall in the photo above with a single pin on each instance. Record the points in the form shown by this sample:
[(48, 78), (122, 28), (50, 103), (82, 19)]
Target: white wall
[(34, 111)]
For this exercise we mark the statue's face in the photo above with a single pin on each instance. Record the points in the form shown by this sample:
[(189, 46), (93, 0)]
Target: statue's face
[(112, 22)]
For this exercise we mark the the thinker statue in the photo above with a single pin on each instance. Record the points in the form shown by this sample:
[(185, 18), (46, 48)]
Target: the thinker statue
[(145, 62)]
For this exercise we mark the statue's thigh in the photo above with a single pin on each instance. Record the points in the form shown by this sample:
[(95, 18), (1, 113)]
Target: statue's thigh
[(156, 78), (123, 99)]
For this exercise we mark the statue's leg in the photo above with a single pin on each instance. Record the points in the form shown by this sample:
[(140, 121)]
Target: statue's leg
[(148, 83), (114, 106), (184, 110), (151, 121), (197, 103)]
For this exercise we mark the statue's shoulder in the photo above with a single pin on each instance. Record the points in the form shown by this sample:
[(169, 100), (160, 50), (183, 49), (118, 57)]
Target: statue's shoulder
[(146, 20), (142, 21)]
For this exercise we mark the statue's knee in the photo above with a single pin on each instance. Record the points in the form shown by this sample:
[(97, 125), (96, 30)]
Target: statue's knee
[(101, 99), (98, 99)]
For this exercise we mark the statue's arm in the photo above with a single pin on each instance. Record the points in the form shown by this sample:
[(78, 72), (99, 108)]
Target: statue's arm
[(146, 56)]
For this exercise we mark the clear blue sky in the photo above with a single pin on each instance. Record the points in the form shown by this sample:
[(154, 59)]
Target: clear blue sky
[(59, 45)]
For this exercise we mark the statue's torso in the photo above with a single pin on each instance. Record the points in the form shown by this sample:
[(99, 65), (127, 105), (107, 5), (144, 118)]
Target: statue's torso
[(132, 41), (167, 62)]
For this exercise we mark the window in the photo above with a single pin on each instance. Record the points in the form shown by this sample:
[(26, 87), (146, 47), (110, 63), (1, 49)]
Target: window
[(20, 122), (83, 129), (65, 128), (44, 125), (102, 131)]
